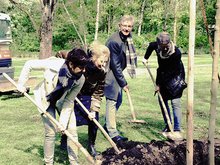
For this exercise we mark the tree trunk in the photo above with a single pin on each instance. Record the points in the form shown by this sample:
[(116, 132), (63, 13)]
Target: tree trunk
[(46, 33), (175, 21), (190, 95), (214, 87), (141, 18), (109, 23), (97, 21), (82, 22), (164, 15), (46, 28)]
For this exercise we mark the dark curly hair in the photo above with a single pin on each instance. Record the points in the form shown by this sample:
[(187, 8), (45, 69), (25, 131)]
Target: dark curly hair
[(78, 57)]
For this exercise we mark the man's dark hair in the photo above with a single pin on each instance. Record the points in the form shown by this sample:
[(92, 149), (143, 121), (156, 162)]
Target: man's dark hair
[(78, 57)]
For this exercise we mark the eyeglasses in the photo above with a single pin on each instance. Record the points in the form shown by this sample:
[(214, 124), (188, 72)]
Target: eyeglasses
[(129, 26)]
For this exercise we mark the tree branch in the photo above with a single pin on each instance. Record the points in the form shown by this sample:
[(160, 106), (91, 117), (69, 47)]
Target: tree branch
[(25, 10), (73, 24)]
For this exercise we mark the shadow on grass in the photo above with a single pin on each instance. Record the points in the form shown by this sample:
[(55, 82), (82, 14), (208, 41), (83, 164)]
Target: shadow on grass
[(10, 95), (60, 156), (152, 128)]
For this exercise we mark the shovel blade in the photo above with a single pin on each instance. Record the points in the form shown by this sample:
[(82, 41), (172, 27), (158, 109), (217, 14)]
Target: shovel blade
[(138, 121)]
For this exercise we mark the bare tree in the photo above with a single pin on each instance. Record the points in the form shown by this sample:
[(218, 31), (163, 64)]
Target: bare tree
[(214, 87), (141, 17), (45, 30), (82, 22), (69, 16), (97, 20), (175, 21), (190, 91)]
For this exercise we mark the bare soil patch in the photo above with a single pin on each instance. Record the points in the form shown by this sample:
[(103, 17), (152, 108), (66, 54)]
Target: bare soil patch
[(159, 152)]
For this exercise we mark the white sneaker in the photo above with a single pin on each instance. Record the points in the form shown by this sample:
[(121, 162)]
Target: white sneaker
[(175, 136), (166, 134)]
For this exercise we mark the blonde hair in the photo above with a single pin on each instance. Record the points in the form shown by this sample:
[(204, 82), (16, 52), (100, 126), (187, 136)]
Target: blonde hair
[(126, 18), (97, 49)]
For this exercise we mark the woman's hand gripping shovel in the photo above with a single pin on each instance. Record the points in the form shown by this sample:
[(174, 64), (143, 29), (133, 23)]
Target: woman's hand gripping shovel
[(163, 104), (134, 120), (99, 125), (84, 151)]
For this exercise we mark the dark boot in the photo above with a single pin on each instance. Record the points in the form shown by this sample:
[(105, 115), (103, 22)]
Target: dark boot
[(92, 150), (92, 133), (63, 142)]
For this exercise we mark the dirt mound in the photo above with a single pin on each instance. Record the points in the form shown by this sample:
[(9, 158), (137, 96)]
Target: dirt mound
[(159, 152)]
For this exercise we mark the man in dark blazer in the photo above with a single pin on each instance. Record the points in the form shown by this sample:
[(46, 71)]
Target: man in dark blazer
[(122, 55)]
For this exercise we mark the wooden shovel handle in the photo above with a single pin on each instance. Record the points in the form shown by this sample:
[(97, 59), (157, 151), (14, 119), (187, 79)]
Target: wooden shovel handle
[(84, 151), (131, 104), (161, 100), (99, 125)]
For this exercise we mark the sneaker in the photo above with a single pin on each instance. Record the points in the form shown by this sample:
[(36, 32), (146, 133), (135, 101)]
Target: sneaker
[(166, 134), (119, 138), (92, 150), (166, 129), (178, 135), (175, 136)]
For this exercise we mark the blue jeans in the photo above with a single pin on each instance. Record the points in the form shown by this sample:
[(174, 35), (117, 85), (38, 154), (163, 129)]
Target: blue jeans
[(177, 113), (110, 117)]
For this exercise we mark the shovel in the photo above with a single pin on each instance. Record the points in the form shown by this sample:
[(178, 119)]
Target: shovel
[(84, 151), (134, 120), (161, 100), (99, 125)]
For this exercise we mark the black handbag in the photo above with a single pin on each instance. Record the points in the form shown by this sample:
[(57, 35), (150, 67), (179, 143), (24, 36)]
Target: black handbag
[(176, 85)]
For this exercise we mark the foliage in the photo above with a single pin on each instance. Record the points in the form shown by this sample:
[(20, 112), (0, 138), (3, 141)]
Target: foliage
[(156, 14)]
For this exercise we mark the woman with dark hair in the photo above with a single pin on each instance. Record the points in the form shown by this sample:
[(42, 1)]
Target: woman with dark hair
[(63, 80)]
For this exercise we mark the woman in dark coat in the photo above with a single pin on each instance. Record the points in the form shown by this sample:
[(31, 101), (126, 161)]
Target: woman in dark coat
[(170, 78)]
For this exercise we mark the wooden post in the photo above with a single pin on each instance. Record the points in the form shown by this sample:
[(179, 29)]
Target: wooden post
[(190, 91), (214, 88)]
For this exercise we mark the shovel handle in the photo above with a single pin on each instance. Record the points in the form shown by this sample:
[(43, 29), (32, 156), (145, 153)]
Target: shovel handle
[(161, 100), (84, 151), (99, 125), (131, 105)]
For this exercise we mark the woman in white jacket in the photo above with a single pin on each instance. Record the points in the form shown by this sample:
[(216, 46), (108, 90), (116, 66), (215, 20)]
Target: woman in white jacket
[(63, 80)]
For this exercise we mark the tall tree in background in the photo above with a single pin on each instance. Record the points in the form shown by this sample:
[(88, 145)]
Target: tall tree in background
[(82, 20), (214, 87), (175, 21), (45, 29), (97, 20), (141, 17)]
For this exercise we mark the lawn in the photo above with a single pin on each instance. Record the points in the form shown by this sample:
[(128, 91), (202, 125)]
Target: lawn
[(22, 131)]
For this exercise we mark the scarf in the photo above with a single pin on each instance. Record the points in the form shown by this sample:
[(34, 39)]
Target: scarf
[(131, 58), (170, 51), (65, 82)]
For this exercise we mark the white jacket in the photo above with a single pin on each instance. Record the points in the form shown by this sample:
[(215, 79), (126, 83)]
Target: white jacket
[(51, 67)]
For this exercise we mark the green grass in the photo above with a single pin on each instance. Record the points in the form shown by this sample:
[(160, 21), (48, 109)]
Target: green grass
[(22, 131)]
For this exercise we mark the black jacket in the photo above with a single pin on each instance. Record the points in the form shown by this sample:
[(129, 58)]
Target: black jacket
[(94, 82), (169, 69)]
